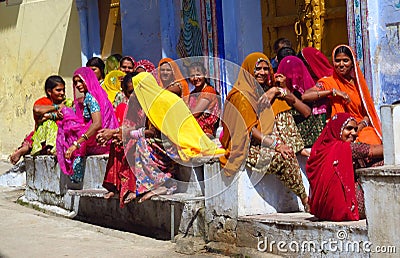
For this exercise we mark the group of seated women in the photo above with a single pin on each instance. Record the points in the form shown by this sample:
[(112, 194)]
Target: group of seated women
[(150, 122)]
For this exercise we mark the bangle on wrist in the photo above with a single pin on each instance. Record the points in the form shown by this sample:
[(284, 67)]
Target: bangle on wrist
[(277, 147), (263, 139), (53, 116), (334, 93), (85, 137), (274, 144), (76, 144), (56, 107)]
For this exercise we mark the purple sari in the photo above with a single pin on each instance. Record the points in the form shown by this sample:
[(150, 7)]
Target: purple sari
[(74, 124)]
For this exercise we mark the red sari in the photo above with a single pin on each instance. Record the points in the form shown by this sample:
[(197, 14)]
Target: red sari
[(331, 175), (119, 176)]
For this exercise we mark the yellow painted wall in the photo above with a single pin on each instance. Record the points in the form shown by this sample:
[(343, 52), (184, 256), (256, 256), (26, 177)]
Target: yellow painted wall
[(37, 39)]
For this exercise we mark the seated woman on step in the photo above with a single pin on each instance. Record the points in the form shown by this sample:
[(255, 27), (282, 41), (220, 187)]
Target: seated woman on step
[(158, 130), (46, 112), (265, 134), (78, 129), (335, 192)]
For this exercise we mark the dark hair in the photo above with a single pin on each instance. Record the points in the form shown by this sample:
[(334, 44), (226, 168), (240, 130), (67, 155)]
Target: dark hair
[(345, 50), (51, 82), (284, 52), (127, 58), (97, 62), (127, 79), (281, 41)]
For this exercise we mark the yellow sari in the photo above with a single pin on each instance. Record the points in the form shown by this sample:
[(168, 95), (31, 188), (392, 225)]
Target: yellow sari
[(169, 114)]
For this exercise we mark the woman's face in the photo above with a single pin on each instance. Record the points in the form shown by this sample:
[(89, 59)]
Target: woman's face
[(126, 66), (97, 71), (197, 77), (342, 64), (261, 72), (166, 73), (129, 89), (79, 84), (349, 133), (57, 94)]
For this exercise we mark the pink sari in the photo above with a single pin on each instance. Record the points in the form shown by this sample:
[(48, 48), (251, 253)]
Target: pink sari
[(74, 124)]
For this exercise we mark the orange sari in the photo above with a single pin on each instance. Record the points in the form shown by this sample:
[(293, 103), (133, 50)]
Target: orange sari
[(361, 104)]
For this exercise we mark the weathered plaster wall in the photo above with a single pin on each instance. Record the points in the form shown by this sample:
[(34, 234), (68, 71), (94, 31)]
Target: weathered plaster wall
[(37, 39), (384, 39)]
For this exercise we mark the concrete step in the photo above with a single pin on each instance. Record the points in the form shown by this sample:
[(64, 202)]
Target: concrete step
[(302, 234), (161, 217)]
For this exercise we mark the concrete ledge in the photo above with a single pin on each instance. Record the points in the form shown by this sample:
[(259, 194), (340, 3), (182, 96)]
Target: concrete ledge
[(381, 187)]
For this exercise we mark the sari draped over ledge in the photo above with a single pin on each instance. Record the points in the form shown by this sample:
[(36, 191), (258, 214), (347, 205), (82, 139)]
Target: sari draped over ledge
[(74, 124), (361, 104), (331, 176)]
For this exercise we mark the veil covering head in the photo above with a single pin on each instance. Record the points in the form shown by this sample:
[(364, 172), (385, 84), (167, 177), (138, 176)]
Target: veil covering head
[(112, 84), (178, 77), (330, 173), (112, 63), (317, 61), (242, 113), (169, 114)]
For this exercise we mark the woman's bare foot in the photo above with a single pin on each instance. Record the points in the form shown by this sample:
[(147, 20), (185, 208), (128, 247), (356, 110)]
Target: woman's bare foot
[(157, 191), (108, 195), (129, 197), (17, 154), (304, 201)]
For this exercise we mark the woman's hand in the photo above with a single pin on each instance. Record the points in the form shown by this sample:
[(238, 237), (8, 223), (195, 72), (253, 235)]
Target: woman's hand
[(117, 137), (280, 80), (342, 95), (69, 152), (104, 135), (285, 150)]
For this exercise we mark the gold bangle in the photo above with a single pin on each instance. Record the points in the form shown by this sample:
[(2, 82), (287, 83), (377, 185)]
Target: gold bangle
[(85, 137)]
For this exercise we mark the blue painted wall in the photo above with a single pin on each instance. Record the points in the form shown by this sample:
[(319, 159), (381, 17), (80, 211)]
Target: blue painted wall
[(384, 35), (140, 22), (242, 28)]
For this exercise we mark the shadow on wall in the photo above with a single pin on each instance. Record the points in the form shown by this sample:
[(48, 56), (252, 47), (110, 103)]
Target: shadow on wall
[(71, 55), (8, 16)]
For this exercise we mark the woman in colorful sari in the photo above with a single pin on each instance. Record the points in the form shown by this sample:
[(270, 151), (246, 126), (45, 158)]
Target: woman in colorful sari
[(335, 194), (348, 92), (203, 100), (171, 78), (298, 80), (153, 146), (316, 62), (248, 120), (77, 130), (46, 112), (126, 65)]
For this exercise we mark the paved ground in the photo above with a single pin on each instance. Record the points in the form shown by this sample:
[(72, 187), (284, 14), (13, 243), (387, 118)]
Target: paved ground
[(25, 232), (29, 233)]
